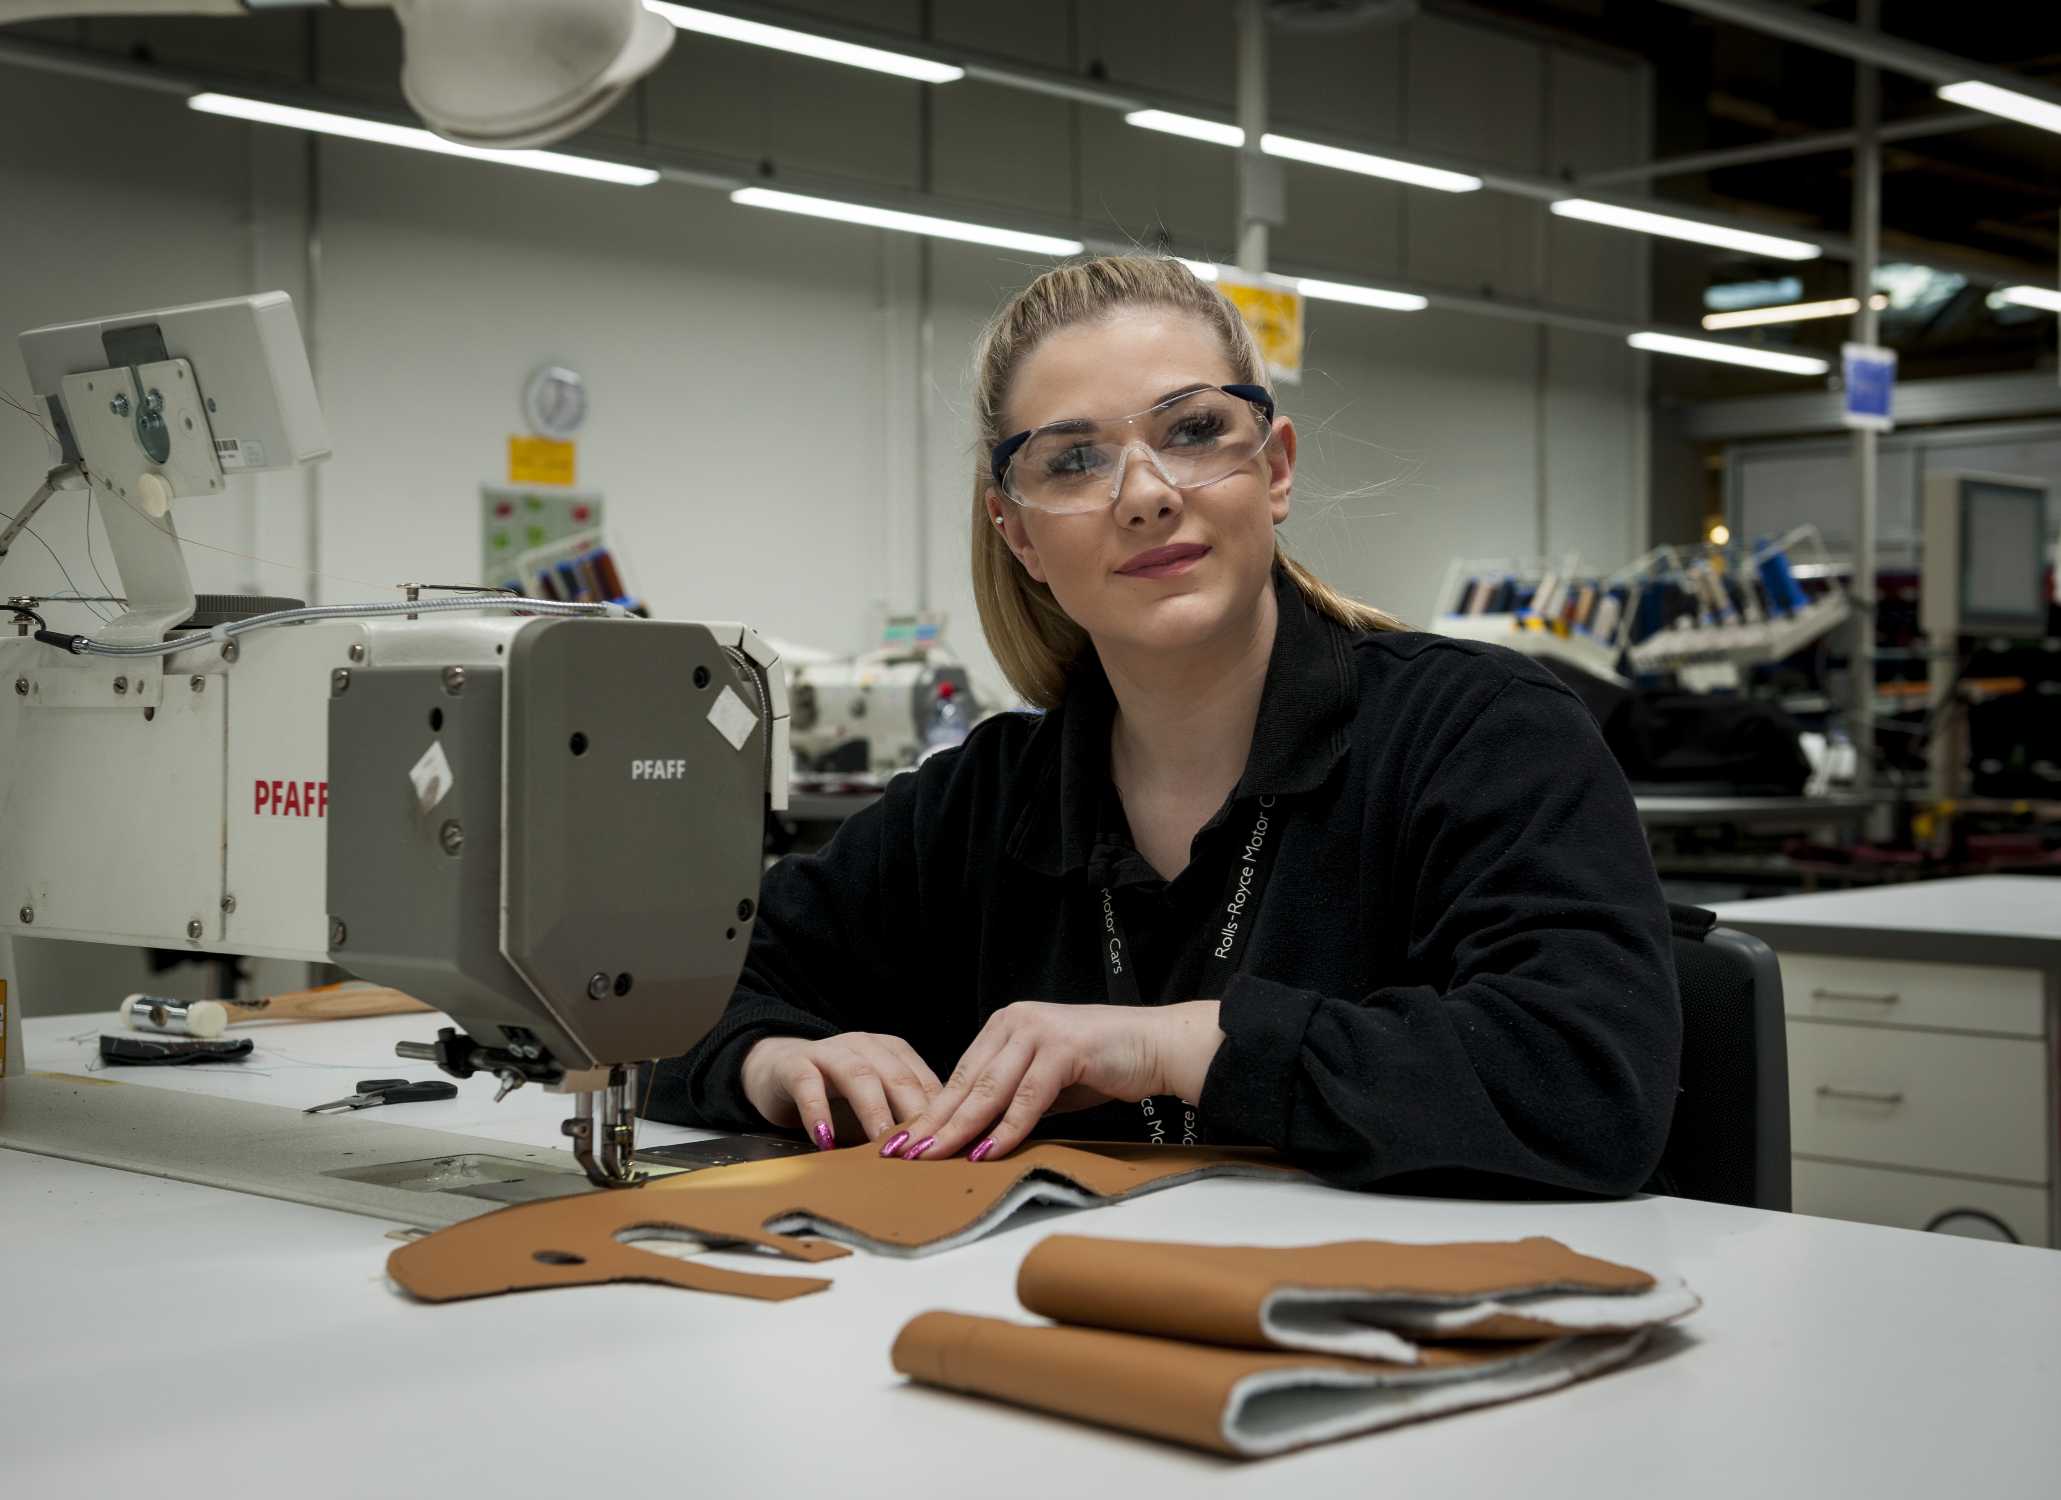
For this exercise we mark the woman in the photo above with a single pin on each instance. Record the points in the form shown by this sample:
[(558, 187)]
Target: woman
[(1269, 869)]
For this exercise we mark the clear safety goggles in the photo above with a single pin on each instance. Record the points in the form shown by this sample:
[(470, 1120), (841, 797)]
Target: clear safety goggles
[(1190, 440)]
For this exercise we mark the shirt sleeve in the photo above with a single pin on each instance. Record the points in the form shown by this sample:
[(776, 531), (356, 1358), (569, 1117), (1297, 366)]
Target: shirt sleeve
[(1541, 1038), (830, 928)]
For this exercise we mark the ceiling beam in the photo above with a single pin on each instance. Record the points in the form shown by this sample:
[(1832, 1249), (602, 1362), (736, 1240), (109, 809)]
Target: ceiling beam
[(1815, 144), (1928, 64)]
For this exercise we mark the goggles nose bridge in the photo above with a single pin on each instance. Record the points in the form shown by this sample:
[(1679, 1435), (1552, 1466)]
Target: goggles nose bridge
[(1123, 464)]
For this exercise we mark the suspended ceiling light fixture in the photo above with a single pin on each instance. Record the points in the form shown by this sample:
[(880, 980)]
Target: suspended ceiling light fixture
[(1667, 225), (2043, 297), (1366, 164), (258, 111), (2011, 105), (1331, 291), (781, 39), (1214, 131), (889, 218), (1729, 354), (1363, 296), (1791, 312)]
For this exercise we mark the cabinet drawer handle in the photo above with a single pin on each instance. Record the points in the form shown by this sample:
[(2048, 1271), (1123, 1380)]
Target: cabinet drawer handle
[(1826, 1091), (1889, 999)]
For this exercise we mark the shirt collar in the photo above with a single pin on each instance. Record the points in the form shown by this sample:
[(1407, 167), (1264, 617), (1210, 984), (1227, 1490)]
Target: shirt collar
[(1305, 711)]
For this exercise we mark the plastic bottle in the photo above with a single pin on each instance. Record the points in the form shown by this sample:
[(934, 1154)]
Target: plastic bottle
[(947, 724)]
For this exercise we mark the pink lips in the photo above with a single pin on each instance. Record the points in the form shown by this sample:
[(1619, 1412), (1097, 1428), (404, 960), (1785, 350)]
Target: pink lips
[(1164, 562)]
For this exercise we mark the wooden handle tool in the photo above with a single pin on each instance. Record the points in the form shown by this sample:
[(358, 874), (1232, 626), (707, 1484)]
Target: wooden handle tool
[(331, 1002), (208, 1018)]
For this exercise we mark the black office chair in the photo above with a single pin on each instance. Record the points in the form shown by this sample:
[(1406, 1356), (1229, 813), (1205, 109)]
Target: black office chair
[(1729, 1142)]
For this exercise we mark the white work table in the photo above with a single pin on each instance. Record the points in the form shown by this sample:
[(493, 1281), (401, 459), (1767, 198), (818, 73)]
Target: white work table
[(1976, 919), (177, 1339)]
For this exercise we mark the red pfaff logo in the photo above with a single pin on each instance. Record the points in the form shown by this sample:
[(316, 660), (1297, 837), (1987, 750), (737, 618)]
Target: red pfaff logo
[(292, 799)]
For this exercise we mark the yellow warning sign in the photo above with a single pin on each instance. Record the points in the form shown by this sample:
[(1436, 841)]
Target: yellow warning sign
[(539, 460), (1274, 314)]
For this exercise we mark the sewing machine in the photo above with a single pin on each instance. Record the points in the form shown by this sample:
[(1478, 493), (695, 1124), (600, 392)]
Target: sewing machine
[(543, 819), (870, 714)]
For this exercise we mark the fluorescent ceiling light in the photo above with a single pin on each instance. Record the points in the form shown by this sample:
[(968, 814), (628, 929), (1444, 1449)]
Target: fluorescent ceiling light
[(1790, 312), (1992, 100), (1685, 229), (1330, 291), (1729, 354), (1216, 133), (378, 131), (1364, 296), (757, 34), (1366, 165), (888, 218), (2042, 297), (1219, 134)]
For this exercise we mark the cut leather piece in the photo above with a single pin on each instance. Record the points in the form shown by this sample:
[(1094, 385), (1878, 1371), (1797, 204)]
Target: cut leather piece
[(1245, 1403), (1370, 1299), (855, 1196)]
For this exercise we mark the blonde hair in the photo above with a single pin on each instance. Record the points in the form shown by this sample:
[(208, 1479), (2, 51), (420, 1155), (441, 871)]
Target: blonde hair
[(1035, 641)]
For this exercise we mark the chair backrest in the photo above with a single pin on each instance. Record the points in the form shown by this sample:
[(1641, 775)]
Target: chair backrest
[(1729, 1142)]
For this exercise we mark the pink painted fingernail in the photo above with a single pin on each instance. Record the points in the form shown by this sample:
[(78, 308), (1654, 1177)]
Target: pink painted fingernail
[(919, 1148), (826, 1138), (894, 1145), (981, 1150)]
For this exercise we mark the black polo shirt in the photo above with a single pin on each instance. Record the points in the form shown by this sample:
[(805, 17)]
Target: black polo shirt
[(1459, 960)]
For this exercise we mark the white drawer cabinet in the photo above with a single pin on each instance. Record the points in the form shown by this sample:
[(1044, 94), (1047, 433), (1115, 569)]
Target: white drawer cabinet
[(1941, 1102), (1890, 992), (1920, 1091), (1924, 1029), (1919, 1200)]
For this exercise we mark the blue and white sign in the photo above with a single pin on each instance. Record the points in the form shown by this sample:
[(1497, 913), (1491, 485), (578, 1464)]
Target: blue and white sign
[(1870, 379)]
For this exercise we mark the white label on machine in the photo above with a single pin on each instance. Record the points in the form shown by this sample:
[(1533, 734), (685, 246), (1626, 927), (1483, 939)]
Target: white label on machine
[(432, 777), (733, 717), (240, 453)]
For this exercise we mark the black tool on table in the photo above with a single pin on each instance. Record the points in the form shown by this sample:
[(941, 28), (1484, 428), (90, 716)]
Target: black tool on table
[(373, 1091), (145, 1051)]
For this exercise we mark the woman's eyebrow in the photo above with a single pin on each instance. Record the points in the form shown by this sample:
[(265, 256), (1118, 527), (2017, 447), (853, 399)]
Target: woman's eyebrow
[(1085, 424)]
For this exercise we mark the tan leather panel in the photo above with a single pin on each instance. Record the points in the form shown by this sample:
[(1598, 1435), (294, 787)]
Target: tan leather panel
[(897, 1204)]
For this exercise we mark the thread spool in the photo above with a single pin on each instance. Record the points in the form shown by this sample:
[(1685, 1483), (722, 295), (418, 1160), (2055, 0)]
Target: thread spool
[(1785, 594), (1604, 625)]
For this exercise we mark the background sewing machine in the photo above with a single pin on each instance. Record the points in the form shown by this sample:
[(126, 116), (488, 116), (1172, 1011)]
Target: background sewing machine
[(541, 818), (875, 713)]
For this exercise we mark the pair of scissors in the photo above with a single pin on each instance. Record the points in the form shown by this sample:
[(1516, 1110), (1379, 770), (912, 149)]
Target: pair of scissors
[(373, 1091)]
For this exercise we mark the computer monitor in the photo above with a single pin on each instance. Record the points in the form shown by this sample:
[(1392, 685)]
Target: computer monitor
[(1985, 556), (2003, 556)]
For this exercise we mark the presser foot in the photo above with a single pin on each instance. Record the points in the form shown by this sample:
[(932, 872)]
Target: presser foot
[(604, 1133)]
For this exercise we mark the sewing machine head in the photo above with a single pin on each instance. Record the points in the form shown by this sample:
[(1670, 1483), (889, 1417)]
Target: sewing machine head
[(544, 819)]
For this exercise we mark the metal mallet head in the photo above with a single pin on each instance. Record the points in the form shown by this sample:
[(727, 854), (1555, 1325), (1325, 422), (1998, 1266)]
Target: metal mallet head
[(201, 1018)]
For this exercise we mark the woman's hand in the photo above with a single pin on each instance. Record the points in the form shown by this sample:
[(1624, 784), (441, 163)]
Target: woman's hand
[(791, 1081), (1031, 1057)]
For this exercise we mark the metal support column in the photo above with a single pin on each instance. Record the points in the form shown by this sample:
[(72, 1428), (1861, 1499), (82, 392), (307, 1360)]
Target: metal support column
[(1867, 234), (1258, 177)]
